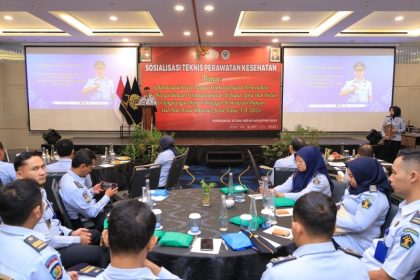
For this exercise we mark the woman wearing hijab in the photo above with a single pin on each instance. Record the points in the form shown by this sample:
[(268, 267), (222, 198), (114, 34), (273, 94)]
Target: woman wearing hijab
[(392, 128), (165, 157), (311, 175), (364, 205)]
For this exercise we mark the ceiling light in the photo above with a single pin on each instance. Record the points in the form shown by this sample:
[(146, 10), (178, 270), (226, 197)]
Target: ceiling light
[(399, 18), (113, 18), (179, 8), (76, 24), (8, 17), (126, 40), (209, 8), (209, 33), (187, 33), (330, 22), (285, 18), (275, 40)]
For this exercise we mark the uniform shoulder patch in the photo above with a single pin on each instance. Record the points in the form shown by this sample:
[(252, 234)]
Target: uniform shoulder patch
[(410, 230), (53, 265), (279, 260), (316, 181), (80, 186), (407, 241), (86, 197), (416, 218), (366, 203), (35, 243)]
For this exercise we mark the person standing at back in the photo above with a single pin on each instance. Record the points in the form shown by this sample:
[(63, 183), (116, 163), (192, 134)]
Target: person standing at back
[(24, 252), (392, 128), (313, 225), (167, 153)]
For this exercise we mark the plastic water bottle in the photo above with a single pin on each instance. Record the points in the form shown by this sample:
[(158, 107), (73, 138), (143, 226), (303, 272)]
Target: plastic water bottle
[(272, 207), (253, 224), (231, 190), (223, 217), (44, 156), (111, 153), (265, 193), (106, 155)]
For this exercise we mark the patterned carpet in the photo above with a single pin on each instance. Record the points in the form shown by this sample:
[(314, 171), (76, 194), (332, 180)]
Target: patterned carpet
[(220, 175)]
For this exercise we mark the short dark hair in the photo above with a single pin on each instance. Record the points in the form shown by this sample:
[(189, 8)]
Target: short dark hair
[(317, 212), (397, 111), (146, 88), (18, 199), (84, 156), (21, 159), (365, 150), (297, 143), (64, 147), (131, 225), (359, 64), (410, 155)]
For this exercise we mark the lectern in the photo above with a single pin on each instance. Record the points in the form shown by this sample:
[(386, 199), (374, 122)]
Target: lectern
[(148, 114)]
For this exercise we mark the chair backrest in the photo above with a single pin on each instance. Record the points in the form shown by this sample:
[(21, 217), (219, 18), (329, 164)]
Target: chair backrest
[(48, 187), (64, 217), (175, 171), (338, 192), (140, 174), (254, 165), (11, 154), (393, 209), (282, 174)]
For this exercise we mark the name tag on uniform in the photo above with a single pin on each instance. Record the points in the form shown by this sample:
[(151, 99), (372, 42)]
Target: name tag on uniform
[(380, 251)]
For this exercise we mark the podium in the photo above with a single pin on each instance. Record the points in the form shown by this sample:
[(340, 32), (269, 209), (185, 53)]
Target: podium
[(148, 114)]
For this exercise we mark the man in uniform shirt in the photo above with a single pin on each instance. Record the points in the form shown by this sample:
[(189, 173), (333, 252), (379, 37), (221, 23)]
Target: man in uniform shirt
[(397, 255), (289, 162), (100, 87), (77, 197), (65, 149), (130, 238), (74, 245), (7, 171), (24, 253), (313, 225), (358, 90), (147, 98)]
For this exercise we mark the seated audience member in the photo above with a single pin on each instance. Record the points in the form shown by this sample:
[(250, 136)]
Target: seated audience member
[(77, 197), (130, 238), (365, 150), (167, 153), (7, 171), (74, 245), (65, 149), (364, 205), (289, 162), (24, 253), (313, 224), (311, 175), (397, 255)]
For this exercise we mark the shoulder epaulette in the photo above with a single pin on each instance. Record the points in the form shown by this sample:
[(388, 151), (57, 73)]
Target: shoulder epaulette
[(35, 243), (416, 218), (373, 188), (279, 260)]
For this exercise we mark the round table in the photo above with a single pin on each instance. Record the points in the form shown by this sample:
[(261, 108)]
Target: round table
[(228, 264)]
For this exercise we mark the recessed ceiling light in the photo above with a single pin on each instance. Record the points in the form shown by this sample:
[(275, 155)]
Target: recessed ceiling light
[(187, 33), (275, 40), (126, 40), (179, 8), (8, 17), (399, 18), (285, 18), (113, 18), (209, 8), (209, 33)]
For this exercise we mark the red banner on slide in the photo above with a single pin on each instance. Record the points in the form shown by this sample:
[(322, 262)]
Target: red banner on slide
[(218, 89)]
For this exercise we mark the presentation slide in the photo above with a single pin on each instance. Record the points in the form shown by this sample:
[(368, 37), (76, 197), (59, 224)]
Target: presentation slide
[(74, 88), (337, 89), (219, 89)]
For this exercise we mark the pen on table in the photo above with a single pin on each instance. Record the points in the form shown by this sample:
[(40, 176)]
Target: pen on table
[(195, 239), (224, 244)]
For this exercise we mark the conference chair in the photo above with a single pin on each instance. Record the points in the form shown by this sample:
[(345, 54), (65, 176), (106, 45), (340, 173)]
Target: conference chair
[(11, 154), (254, 166), (393, 209), (338, 192), (282, 174), (175, 170), (48, 187), (138, 180)]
